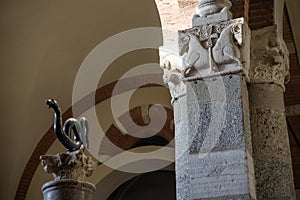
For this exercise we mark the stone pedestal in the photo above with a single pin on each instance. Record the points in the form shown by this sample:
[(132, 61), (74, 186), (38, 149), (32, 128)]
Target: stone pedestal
[(271, 152), (211, 108), (213, 140), (68, 189), (69, 170)]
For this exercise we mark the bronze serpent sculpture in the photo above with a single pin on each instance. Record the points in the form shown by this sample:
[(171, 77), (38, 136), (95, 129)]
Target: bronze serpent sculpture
[(79, 128)]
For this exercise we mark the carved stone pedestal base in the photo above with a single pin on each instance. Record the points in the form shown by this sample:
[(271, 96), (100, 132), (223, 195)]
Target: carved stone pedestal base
[(68, 189), (68, 169)]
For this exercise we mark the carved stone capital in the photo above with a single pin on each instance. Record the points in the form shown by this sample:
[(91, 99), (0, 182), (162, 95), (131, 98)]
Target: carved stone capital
[(269, 57), (215, 49), (171, 63), (71, 165)]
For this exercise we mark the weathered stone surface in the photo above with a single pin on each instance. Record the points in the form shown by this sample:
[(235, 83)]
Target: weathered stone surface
[(183, 183), (273, 177), (221, 124), (266, 95), (271, 152), (180, 109), (246, 118), (183, 139), (212, 159), (219, 174), (71, 165), (182, 144), (269, 135), (69, 170), (214, 89), (211, 149), (234, 197)]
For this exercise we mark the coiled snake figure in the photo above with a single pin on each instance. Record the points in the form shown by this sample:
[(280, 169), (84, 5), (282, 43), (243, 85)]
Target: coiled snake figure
[(79, 127)]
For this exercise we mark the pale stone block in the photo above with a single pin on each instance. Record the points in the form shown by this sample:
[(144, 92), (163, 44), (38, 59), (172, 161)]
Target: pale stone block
[(219, 174), (180, 109), (182, 144), (183, 184), (232, 197)]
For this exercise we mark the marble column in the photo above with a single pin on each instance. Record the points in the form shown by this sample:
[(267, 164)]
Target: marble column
[(269, 72), (207, 80)]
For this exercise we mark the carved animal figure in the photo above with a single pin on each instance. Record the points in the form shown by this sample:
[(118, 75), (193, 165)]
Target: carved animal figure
[(225, 51), (196, 55), (64, 133)]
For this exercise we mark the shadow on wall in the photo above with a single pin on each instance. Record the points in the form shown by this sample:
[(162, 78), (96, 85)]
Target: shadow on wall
[(148, 186)]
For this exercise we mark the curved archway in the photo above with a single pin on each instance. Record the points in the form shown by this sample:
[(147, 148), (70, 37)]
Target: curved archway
[(108, 180), (152, 185)]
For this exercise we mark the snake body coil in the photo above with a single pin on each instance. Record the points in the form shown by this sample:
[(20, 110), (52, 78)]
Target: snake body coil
[(79, 128)]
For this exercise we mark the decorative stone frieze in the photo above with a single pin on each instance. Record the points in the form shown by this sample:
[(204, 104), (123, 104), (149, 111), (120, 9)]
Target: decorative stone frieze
[(269, 57)]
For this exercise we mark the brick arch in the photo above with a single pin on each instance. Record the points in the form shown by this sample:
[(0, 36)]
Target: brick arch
[(261, 13), (177, 14), (82, 105), (115, 141)]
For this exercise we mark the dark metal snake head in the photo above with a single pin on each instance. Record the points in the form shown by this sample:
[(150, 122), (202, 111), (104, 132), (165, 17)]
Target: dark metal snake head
[(52, 103)]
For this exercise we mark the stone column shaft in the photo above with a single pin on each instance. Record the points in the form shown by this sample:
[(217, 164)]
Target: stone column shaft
[(269, 72)]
